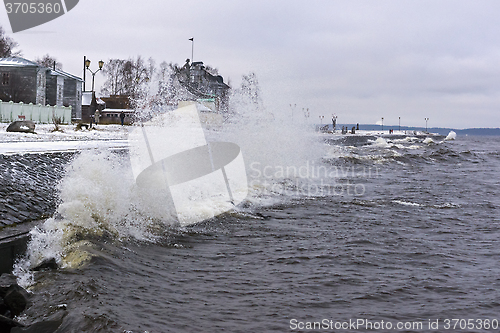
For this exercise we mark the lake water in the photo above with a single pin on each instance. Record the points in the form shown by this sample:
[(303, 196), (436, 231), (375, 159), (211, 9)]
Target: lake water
[(380, 233)]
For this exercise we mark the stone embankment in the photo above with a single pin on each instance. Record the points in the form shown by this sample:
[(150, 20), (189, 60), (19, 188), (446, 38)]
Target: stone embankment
[(28, 193), (28, 186)]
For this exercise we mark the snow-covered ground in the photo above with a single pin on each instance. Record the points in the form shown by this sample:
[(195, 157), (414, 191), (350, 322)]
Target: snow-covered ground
[(45, 132), (48, 140)]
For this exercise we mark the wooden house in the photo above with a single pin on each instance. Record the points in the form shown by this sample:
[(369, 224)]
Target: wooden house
[(26, 81), (112, 116), (22, 81), (64, 89), (201, 86), (115, 105)]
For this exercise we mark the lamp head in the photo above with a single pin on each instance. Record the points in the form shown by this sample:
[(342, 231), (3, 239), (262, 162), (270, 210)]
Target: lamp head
[(87, 63), (101, 63)]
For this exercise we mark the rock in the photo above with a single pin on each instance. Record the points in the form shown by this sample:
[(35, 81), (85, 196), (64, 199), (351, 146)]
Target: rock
[(23, 126), (12, 207), (47, 264), (47, 326), (40, 327), (6, 281), (16, 299), (7, 324), (13, 299), (4, 310)]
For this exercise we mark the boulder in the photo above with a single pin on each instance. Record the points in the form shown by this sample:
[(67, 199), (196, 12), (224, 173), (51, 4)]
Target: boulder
[(16, 299), (47, 264), (40, 327), (6, 324), (6, 281), (50, 325), (4, 310), (23, 126)]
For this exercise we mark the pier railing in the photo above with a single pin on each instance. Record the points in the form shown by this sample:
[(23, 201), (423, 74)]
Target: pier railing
[(10, 111)]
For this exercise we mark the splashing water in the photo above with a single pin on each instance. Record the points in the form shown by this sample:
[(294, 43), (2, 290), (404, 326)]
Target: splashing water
[(100, 200), (275, 151), (451, 136), (381, 143)]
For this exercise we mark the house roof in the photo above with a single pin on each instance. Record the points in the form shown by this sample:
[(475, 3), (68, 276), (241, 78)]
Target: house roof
[(87, 98), (18, 62), (21, 62), (58, 72)]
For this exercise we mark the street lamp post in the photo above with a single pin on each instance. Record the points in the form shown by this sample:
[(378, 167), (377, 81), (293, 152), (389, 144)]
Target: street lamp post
[(321, 120), (94, 102), (306, 114), (399, 128), (293, 107), (382, 124), (87, 65), (426, 120)]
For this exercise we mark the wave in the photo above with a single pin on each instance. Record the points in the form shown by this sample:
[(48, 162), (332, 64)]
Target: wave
[(403, 151), (451, 136), (403, 202), (285, 162), (406, 203), (99, 199)]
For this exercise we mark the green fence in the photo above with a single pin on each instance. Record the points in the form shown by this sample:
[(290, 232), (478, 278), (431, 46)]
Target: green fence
[(10, 111)]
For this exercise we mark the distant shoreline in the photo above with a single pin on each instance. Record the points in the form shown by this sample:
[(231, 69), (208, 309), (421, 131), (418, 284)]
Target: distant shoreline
[(439, 130)]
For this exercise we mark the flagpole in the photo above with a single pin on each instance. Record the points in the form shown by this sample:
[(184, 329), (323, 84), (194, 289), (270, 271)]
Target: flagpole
[(192, 49)]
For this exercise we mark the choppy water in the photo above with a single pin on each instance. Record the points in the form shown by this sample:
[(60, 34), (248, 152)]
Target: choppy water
[(399, 231)]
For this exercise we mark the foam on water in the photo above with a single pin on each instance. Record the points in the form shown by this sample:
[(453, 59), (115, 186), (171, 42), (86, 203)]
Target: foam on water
[(406, 203), (451, 136), (381, 143), (99, 200)]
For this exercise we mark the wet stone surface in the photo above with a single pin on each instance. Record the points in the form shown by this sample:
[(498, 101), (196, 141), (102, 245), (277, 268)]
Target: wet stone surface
[(28, 186)]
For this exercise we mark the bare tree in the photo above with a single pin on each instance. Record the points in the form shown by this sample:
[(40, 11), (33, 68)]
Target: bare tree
[(114, 84), (250, 88), (128, 77), (137, 74), (151, 87), (7, 46), (49, 61)]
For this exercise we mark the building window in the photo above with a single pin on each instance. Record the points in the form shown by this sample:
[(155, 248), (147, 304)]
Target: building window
[(5, 79)]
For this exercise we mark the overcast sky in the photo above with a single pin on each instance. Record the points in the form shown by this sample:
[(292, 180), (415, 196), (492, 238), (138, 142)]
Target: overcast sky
[(362, 60)]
